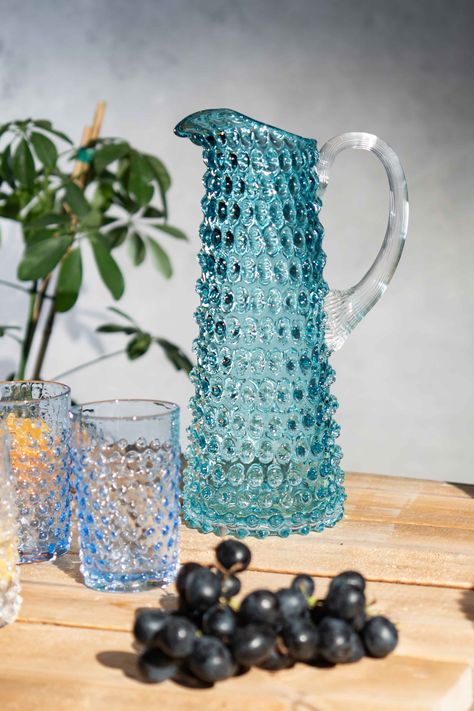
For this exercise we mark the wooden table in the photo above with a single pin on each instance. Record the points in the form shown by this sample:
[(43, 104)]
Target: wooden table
[(71, 649)]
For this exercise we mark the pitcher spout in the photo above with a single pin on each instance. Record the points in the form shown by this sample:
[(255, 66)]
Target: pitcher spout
[(211, 126), (200, 126)]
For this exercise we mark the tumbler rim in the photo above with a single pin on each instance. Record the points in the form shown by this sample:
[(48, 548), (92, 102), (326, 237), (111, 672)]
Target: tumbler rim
[(66, 391), (172, 407)]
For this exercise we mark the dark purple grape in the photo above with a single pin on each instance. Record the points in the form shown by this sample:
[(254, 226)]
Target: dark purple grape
[(305, 584), (210, 660), (148, 623), (301, 638), (185, 610), (233, 556), (345, 601), (349, 577), (259, 607), (291, 605), (357, 648), (185, 677), (219, 622), (252, 644), (155, 666), (183, 574), (277, 661), (177, 637), (335, 640), (359, 621), (318, 613), (202, 589), (230, 585), (380, 636)]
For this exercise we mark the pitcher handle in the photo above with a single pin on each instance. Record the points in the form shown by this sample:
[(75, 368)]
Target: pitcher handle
[(346, 308)]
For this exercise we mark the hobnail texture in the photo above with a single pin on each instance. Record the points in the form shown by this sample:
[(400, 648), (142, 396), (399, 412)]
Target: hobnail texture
[(36, 416), (127, 493), (10, 600), (263, 457)]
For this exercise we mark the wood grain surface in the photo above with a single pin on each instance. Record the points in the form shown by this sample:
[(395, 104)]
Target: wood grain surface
[(414, 540)]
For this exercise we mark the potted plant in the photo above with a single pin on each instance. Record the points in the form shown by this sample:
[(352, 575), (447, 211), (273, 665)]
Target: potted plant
[(104, 194)]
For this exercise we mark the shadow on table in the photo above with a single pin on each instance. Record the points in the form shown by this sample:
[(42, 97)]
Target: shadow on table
[(71, 565), (467, 604), (467, 488), (467, 597), (125, 661), (128, 664)]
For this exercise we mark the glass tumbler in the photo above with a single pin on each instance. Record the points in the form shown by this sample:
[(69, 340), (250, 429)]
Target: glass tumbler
[(127, 490), (37, 417), (10, 599)]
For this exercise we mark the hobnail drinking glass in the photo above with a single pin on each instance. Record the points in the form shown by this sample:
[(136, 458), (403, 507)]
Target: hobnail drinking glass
[(36, 416), (10, 599), (127, 493)]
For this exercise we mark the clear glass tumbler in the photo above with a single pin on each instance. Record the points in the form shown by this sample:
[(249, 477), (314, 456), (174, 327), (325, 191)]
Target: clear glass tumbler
[(127, 490), (10, 599), (37, 417)]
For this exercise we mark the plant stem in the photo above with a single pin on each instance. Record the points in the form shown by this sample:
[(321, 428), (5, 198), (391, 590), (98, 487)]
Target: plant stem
[(29, 334), (89, 363), (24, 289), (42, 296), (45, 338)]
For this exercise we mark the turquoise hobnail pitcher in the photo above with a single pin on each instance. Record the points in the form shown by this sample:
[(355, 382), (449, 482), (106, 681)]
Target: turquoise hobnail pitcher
[(263, 458)]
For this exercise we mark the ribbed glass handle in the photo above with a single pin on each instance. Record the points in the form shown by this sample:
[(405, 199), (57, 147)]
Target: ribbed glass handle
[(345, 309)]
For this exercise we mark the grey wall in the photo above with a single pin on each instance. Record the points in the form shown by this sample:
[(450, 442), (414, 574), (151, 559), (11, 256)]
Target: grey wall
[(403, 70)]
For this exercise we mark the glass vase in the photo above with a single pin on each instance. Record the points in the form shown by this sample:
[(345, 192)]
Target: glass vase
[(127, 493), (10, 600), (36, 416)]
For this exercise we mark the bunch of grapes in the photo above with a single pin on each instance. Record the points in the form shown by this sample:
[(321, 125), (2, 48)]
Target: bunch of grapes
[(210, 638)]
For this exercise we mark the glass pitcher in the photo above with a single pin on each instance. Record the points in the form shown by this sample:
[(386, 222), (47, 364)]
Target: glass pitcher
[(263, 457)]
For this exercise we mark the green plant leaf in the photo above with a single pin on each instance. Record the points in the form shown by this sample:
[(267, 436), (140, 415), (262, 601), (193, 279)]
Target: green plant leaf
[(116, 328), (109, 153), (123, 170), (11, 208), (173, 231), (24, 165), (137, 249), (138, 345), (4, 329), (143, 165), (92, 219), (52, 219), (138, 184), (125, 201), (48, 126), (40, 258), (69, 281), (162, 261), (45, 149), (175, 355), (163, 178), (121, 313), (4, 128), (103, 197), (160, 172), (108, 267), (32, 236), (76, 200), (116, 237), (153, 212), (7, 167)]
